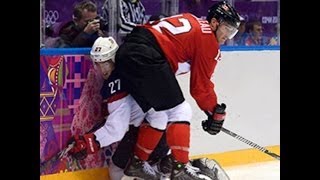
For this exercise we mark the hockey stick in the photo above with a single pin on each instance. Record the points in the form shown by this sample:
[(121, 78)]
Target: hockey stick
[(64, 151), (55, 158), (260, 148), (250, 143)]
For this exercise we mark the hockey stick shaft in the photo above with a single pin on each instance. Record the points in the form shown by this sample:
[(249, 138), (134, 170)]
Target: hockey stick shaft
[(250, 143), (260, 148)]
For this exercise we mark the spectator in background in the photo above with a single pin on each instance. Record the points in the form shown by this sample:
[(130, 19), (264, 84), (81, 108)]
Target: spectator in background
[(84, 29), (50, 40), (255, 34), (274, 40)]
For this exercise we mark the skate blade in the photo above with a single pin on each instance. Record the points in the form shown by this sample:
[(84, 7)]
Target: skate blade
[(124, 177), (204, 177), (222, 175), (164, 177)]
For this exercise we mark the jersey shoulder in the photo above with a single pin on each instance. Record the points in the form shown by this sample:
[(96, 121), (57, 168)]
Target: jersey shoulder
[(199, 25), (111, 86)]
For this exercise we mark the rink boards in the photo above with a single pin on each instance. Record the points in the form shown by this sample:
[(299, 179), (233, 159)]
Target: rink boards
[(227, 159)]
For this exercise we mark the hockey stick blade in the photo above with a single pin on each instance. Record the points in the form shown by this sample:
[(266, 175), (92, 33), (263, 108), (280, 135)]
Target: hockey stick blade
[(64, 151), (55, 158)]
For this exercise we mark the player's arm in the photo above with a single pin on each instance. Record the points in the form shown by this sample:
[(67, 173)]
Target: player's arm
[(117, 121), (112, 131), (202, 87)]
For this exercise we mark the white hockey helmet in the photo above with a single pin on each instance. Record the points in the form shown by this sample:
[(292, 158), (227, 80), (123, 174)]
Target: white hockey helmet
[(104, 49)]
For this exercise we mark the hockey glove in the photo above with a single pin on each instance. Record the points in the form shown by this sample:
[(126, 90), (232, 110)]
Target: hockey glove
[(215, 121), (83, 145)]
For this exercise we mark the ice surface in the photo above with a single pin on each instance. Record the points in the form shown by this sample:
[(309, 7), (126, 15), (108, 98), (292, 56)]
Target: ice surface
[(269, 170)]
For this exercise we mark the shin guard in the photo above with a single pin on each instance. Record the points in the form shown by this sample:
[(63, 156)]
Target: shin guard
[(148, 138), (178, 139)]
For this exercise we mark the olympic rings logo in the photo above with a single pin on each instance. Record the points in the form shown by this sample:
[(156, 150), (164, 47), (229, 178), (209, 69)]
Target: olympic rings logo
[(51, 17)]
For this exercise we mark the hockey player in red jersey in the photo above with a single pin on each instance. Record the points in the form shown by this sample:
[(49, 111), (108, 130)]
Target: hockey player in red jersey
[(147, 62), (124, 113)]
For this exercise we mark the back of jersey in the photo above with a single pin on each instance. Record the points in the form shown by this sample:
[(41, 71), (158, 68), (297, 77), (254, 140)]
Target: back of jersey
[(184, 37)]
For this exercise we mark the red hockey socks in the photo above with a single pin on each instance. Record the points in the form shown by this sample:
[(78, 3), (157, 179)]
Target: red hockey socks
[(178, 139), (148, 138)]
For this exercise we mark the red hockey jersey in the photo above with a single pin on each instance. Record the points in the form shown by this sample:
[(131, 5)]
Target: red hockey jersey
[(186, 38)]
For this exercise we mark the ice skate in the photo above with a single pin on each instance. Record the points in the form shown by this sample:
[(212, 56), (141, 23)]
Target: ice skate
[(182, 171), (210, 168), (139, 170), (164, 167)]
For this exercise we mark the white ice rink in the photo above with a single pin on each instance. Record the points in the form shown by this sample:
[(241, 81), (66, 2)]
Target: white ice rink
[(260, 171)]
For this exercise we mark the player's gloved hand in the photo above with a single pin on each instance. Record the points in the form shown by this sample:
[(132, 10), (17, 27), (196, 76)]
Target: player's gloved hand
[(215, 121), (83, 145)]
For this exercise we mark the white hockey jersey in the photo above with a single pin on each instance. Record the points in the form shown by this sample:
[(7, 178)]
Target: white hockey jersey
[(123, 111)]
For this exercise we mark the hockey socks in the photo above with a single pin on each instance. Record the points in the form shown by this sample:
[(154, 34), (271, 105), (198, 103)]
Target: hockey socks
[(148, 138), (178, 139)]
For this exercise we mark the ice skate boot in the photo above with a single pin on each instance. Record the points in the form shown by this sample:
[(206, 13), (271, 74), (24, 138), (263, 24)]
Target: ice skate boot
[(164, 167), (182, 171), (210, 168), (139, 170)]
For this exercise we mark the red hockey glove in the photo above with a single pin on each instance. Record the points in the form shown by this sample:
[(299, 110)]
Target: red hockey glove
[(215, 121), (83, 145)]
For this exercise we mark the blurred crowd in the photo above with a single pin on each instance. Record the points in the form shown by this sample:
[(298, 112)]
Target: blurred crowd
[(86, 25)]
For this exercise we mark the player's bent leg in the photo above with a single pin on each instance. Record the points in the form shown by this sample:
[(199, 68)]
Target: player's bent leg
[(182, 112), (115, 173), (125, 148), (148, 137), (178, 139)]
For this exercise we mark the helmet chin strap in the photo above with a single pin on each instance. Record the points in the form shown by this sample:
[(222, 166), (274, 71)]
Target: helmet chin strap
[(215, 30)]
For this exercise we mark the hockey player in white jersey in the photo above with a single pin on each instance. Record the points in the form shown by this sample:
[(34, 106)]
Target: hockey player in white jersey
[(122, 108)]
